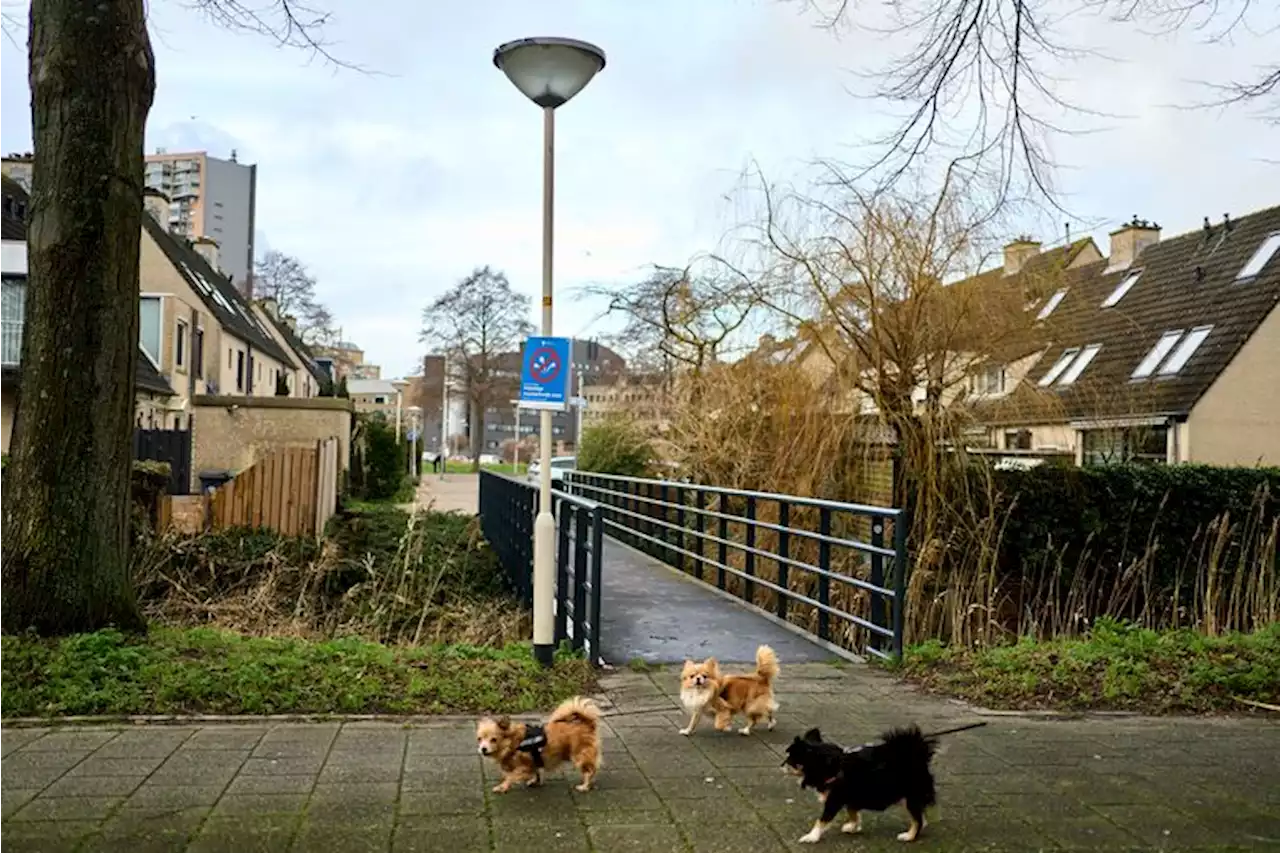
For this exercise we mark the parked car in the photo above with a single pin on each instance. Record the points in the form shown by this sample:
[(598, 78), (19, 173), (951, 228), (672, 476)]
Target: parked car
[(559, 464)]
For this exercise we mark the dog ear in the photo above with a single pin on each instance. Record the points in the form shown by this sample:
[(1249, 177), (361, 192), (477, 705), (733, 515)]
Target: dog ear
[(712, 665), (689, 666), (813, 736), (504, 722)]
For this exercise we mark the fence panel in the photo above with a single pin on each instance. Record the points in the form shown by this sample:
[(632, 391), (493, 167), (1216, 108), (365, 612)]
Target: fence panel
[(294, 491), (167, 445)]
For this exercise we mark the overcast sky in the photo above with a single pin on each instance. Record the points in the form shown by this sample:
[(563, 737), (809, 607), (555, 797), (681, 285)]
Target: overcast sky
[(392, 186)]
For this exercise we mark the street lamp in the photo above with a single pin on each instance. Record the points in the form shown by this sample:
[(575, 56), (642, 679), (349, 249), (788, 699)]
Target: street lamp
[(399, 385), (549, 71), (415, 419)]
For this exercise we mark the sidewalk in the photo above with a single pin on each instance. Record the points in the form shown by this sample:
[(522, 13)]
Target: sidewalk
[(1017, 785), (455, 493)]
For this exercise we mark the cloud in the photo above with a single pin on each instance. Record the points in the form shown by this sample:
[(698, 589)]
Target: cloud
[(392, 185)]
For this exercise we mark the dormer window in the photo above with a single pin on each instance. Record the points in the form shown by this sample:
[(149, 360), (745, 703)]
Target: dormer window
[(988, 379), (1265, 253), (1077, 367), (1053, 303), (1059, 366), (1122, 289), (1168, 359)]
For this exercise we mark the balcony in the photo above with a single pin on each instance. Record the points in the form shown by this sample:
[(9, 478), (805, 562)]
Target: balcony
[(14, 305)]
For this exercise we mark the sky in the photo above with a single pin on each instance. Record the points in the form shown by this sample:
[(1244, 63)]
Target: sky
[(393, 185)]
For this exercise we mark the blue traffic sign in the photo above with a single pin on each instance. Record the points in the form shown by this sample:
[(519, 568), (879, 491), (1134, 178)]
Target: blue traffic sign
[(412, 436), (545, 373)]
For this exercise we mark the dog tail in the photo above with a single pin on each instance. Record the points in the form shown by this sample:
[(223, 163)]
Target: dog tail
[(909, 746), (578, 709), (766, 664)]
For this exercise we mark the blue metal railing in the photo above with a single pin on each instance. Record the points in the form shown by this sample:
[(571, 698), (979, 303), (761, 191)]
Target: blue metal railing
[(508, 507), (805, 560)]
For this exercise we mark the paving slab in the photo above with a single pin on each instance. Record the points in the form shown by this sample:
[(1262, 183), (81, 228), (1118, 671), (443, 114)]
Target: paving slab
[(1020, 784)]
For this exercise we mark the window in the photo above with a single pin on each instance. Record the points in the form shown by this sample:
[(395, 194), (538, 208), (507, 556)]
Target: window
[(988, 379), (1148, 365), (14, 314), (379, 401), (1116, 445), (1059, 366), (149, 328), (1082, 361), (1259, 260), (1122, 288), (231, 358), (180, 345), (197, 353), (1053, 303), (1019, 439), (240, 371), (1185, 350)]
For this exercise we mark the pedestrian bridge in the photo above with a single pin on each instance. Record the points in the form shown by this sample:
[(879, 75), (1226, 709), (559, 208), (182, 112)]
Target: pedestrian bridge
[(661, 571)]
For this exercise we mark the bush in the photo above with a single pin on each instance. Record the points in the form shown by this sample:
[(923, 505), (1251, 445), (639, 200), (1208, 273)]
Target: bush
[(617, 447), (379, 465)]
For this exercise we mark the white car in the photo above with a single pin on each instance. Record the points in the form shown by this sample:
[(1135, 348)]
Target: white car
[(559, 464)]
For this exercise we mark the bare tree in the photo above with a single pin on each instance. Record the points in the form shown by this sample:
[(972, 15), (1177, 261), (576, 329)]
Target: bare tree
[(66, 523), (978, 78), (677, 319), (286, 280), (478, 325)]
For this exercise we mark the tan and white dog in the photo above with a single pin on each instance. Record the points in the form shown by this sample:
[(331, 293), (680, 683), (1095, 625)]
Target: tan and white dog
[(705, 691)]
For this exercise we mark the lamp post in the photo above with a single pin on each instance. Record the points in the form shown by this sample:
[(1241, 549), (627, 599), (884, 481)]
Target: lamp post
[(415, 418), (399, 385), (549, 72), (444, 416)]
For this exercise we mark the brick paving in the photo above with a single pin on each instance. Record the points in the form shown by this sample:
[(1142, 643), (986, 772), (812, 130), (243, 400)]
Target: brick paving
[(1018, 785)]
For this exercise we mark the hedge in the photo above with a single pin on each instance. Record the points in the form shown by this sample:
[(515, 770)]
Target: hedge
[(1102, 519)]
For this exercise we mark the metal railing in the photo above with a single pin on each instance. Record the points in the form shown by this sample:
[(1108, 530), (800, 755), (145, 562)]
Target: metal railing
[(834, 570), (507, 510)]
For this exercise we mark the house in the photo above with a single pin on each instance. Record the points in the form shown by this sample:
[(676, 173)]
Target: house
[(1167, 351), (197, 329), (310, 377), (374, 396), (152, 390)]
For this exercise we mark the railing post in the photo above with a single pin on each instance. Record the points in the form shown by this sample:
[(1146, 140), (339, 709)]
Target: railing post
[(579, 575), (824, 582), (900, 525), (597, 567), (666, 531), (562, 577), (722, 553), (680, 524), (700, 524), (877, 579), (784, 545), (749, 561)]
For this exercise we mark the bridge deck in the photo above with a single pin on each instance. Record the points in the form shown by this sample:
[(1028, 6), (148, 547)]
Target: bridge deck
[(652, 612)]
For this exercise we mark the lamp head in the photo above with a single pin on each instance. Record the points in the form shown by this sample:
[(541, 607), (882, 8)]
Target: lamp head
[(549, 71)]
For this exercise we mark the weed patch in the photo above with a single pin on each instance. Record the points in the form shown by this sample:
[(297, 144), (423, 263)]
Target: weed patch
[(204, 670), (1116, 666)]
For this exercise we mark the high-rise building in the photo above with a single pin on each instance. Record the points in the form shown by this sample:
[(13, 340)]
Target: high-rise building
[(214, 198)]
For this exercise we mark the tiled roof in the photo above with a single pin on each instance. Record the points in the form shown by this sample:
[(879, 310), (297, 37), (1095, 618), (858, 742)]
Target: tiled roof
[(13, 224), (1185, 282), (370, 386), (219, 295), (148, 378), (303, 351)]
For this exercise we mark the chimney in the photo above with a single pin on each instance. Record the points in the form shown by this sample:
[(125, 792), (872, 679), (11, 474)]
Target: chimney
[(269, 305), (1128, 241), (208, 249), (1017, 253), (156, 203)]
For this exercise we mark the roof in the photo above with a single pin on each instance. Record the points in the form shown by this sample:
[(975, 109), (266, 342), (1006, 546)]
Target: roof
[(1184, 282), (13, 224), (303, 351), (370, 386), (219, 295), (148, 378)]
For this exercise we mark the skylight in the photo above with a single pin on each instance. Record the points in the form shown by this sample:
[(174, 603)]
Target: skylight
[(1259, 260), (1082, 361), (1148, 365), (1122, 288), (1053, 303), (1059, 366), (1185, 350)]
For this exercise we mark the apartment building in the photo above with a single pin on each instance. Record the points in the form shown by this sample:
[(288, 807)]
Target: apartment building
[(210, 198)]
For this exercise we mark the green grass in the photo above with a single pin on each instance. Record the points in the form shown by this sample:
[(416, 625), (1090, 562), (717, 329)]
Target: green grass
[(465, 468), (207, 671), (1116, 667)]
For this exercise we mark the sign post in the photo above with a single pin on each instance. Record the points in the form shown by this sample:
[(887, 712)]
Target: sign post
[(546, 374)]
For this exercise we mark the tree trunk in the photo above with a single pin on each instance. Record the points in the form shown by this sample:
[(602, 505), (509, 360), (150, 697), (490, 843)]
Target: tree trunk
[(477, 432), (66, 519)]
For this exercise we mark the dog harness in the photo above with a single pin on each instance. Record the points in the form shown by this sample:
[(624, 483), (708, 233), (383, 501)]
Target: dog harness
[(535, 738)]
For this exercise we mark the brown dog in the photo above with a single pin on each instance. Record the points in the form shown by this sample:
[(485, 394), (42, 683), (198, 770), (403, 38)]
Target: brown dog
[(523, 751), (703, 690)]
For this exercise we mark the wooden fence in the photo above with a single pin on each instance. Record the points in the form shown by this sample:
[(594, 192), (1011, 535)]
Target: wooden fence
[(293, 491), (167, 445)]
